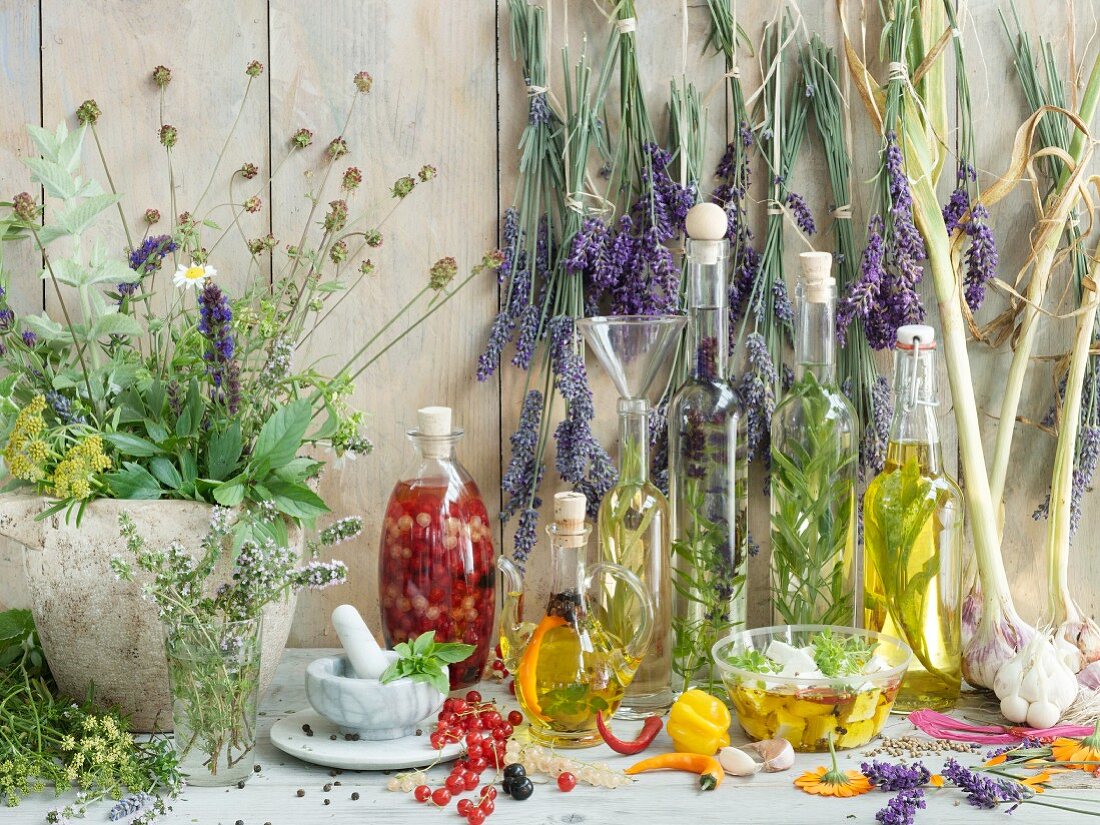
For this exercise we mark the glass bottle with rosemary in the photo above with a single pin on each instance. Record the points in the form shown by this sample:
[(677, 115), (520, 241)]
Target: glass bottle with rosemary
[(706, 490), (815, 455), (913, 534)]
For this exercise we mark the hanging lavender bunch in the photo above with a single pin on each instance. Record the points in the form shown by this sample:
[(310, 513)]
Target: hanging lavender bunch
[(731, 193), (216, 325), (865, 388), (887, 296), (640, 275), (580, 458), (981, 256)]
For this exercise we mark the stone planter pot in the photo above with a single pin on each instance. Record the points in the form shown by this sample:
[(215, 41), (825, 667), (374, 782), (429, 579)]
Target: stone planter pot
[(99, 631)]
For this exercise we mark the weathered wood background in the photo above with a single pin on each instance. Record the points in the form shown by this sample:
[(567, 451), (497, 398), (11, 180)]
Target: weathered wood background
[(448, 93)]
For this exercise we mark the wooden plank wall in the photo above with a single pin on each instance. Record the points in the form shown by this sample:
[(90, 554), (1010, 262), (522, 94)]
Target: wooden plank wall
[(448, 93)]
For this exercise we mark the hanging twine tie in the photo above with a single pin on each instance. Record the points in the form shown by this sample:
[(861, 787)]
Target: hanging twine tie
[(842, 213), (898, 71), (533, 91), (626, 25), (735, 73), (775, 208)]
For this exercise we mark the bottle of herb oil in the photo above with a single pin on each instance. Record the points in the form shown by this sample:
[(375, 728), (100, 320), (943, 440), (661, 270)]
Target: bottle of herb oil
[(913, 532), (815, 437)]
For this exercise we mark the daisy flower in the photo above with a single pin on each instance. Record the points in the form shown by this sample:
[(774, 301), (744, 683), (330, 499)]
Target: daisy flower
[(193, 276)]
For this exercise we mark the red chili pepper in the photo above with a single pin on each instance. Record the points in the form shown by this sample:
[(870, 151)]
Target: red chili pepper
[(649, 732)]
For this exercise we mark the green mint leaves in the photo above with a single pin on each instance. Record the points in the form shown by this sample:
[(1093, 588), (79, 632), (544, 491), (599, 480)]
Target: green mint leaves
[(424, 661)]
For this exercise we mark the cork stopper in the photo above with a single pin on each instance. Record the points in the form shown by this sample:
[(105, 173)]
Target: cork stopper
[(817, 282), (569, 513), (434, 426), (706, 226), (434, 421)]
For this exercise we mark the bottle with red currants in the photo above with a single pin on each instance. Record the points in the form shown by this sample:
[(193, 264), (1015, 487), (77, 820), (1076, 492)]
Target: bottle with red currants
[(436, 554)]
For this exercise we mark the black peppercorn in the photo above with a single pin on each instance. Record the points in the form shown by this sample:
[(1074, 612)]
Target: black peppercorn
[(328, 787), (328, 801), (240, 784), (257, 767), (300, 792), (355, 797)]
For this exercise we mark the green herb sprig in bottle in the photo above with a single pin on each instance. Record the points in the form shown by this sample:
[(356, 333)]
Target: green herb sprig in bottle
[(815, 456), (913, 533)]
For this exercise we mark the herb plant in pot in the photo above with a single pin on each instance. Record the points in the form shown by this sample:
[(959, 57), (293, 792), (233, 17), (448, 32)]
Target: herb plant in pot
[(159, 397)]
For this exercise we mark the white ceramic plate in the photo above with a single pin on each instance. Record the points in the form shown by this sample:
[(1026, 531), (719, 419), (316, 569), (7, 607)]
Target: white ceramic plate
[(361, 755)]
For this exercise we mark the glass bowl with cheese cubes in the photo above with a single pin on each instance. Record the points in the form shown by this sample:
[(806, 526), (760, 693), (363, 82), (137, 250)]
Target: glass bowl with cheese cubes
[(806, 682)]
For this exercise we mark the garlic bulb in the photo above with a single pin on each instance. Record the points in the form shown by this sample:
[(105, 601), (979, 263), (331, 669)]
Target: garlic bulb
[(1089, 676), (1035, 686)]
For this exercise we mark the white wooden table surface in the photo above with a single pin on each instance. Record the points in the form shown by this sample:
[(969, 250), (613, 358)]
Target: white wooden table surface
[(655, 799)]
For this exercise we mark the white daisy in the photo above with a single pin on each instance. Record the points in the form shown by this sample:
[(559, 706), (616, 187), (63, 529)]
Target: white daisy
[(193, 276)]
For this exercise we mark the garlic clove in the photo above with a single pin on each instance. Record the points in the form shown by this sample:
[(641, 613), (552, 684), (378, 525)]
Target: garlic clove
[(1043, 714), (738, 762), (777, 754)]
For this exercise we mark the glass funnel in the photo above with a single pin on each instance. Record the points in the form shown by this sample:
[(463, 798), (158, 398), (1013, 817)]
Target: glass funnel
[(633, 521)]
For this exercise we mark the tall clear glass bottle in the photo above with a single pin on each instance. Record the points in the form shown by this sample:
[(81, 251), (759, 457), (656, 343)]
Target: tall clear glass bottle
[(633, 531), (633, 519), (706, 495), (913, 535), (815, 455)]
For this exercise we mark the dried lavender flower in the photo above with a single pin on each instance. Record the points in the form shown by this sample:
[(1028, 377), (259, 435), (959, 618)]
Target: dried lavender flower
[(803, 216)]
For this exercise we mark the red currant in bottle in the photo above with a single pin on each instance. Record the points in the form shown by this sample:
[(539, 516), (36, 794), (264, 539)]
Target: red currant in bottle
[(436, 558)]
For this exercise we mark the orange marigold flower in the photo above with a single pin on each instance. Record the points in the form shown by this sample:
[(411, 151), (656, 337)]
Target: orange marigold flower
[(826, 781), (1085, 751), (936, 781), (996, 760)]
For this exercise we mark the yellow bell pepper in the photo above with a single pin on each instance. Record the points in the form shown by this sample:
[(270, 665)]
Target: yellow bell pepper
[(699, 723)]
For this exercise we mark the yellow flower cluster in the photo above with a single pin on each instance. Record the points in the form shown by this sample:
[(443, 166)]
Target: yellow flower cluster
[(26, 452), (72, 478)]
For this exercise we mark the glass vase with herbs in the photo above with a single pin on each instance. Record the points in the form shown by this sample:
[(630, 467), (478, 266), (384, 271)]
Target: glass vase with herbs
[(913, 535), (815, 456), (707, 467), (212, 636)]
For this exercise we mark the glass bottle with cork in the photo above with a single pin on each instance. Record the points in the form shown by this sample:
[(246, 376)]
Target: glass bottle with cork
[(435, 561), (913, 535), (814, 450), (568, 666), (708, 467)]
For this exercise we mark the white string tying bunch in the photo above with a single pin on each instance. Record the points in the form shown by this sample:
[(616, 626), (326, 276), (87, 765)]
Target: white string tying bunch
[(842, 213), (626, 25), (897, 71)]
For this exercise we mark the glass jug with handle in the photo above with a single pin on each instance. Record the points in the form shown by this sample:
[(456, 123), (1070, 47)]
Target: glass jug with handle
[(567, 666)]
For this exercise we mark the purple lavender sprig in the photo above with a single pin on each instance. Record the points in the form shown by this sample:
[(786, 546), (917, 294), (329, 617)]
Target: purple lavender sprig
[(757, 390), (981, 257), (216, 325), (981, 791), (521, 476), (902, 809), (803, 216), (891, 777)]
